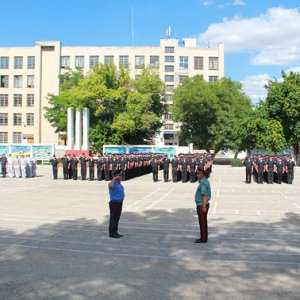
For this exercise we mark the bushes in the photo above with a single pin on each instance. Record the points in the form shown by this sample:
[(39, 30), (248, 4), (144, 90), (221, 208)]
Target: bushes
[(236, 163)]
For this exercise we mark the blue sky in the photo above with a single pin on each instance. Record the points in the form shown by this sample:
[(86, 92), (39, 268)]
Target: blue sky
[(261, 37)]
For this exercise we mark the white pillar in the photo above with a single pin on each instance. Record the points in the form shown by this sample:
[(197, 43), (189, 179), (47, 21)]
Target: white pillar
[(78, 130), (86, 128), (70, 128)]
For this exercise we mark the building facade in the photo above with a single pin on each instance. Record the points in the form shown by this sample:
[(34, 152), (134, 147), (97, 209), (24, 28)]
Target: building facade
[(29, 74)]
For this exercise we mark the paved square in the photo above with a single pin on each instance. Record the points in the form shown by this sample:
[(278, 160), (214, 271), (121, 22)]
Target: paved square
[(54, 243)]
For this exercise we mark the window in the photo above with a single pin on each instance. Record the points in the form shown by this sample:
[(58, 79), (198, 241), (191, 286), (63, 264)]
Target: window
[(3, 119), (169, 126), (17, 137), (30, 81), (169, 78), (169, 58), (108, 59), (198, 62), (139, 62), (213, 78), (18, 62), (79, 62), (3, 100), (213, 63), (168, 98), (183, 62), (182, 78), (154, 61), (29, 119), (168, 116), (30, 62), (30, 100), (17, 119), (169, 68), (169, 88), (65, 62), (123, 61), (3, 137), (94, 60), (4, 81), (18, 81), (17, 100), (169, 49), (4, 62)]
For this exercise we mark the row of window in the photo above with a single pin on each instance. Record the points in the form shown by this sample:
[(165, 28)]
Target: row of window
[(182, 78), (17, 119), (213, 62), (18, 62), (18, 81), (16, 137), (17, 100)]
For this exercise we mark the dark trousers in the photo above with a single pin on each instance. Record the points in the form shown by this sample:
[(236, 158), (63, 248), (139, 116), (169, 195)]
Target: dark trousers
[(166, 175), (248, 176), (260, 177), (3, 171), (155, 175), (115, 209), (290, 177), (83, 172), (270, 177), (174, 175), (202, 217), (65, 171)]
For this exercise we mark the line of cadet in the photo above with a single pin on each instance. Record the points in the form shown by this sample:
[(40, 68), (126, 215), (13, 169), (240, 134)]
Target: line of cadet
[(104, 167), (183, 167), (21, 166), (270, 169)]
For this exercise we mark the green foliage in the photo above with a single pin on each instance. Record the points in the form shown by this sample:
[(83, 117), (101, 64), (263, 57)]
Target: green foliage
[(283, 104), (121, 110)]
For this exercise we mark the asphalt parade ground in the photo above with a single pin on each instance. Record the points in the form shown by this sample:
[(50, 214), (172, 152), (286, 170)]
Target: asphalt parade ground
[(54, 242)]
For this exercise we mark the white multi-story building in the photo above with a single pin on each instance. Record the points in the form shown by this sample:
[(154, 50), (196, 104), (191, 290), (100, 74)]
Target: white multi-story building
[(29, 74)]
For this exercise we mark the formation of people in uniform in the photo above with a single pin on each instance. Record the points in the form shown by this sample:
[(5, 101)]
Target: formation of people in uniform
[(22, 166), (183, 167), (269, 168), (103, 167)]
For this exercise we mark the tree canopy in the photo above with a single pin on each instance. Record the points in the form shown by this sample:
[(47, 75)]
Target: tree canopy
[(122, 110)]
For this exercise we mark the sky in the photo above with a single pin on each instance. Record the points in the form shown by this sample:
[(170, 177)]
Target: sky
[(261, 37)]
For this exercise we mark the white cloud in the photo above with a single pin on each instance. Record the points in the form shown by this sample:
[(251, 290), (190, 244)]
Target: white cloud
[(254, 86), (294, 69), (272, 38), (238, 2)]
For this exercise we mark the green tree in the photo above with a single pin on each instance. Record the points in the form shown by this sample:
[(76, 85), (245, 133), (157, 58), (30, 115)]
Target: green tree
[(121, 110), (283, 105)]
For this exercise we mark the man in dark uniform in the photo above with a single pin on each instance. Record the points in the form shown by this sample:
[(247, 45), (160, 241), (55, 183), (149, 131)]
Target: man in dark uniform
[(155, 166), (65, 162), (91, 168), (3, 165), (270, 169), (123, 167), (83, 167), (166, 164), (184, 170), (174, 168), (260, 170), (279, 169), (99, 168), (75, 167), (192, 168), (248, 163), (106, 168), (54, 164), (114, 166), (290, 170), (70, 169)]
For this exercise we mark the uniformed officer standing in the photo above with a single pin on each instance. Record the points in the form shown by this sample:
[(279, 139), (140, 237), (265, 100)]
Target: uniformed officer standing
[(248, 163), (279, 169), (166, 164), (290, 164), (70, 167), (174, 168), (99, 164), (192, 168), (65, 162), (75, 167), (54, 164), (83, 167), (3, 165), (123, 167), (91, 168), (155, 166), (260, 170), (270, 168), (184, 170)]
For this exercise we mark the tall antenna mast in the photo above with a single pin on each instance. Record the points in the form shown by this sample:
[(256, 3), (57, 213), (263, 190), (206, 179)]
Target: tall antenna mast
[(131, 26)]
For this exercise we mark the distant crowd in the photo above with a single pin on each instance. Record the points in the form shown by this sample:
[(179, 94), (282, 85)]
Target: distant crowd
[(22, 166), (270, 168)]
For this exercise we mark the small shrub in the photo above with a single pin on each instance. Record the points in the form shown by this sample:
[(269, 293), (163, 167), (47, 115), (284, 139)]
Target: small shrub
[(236, 163)]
